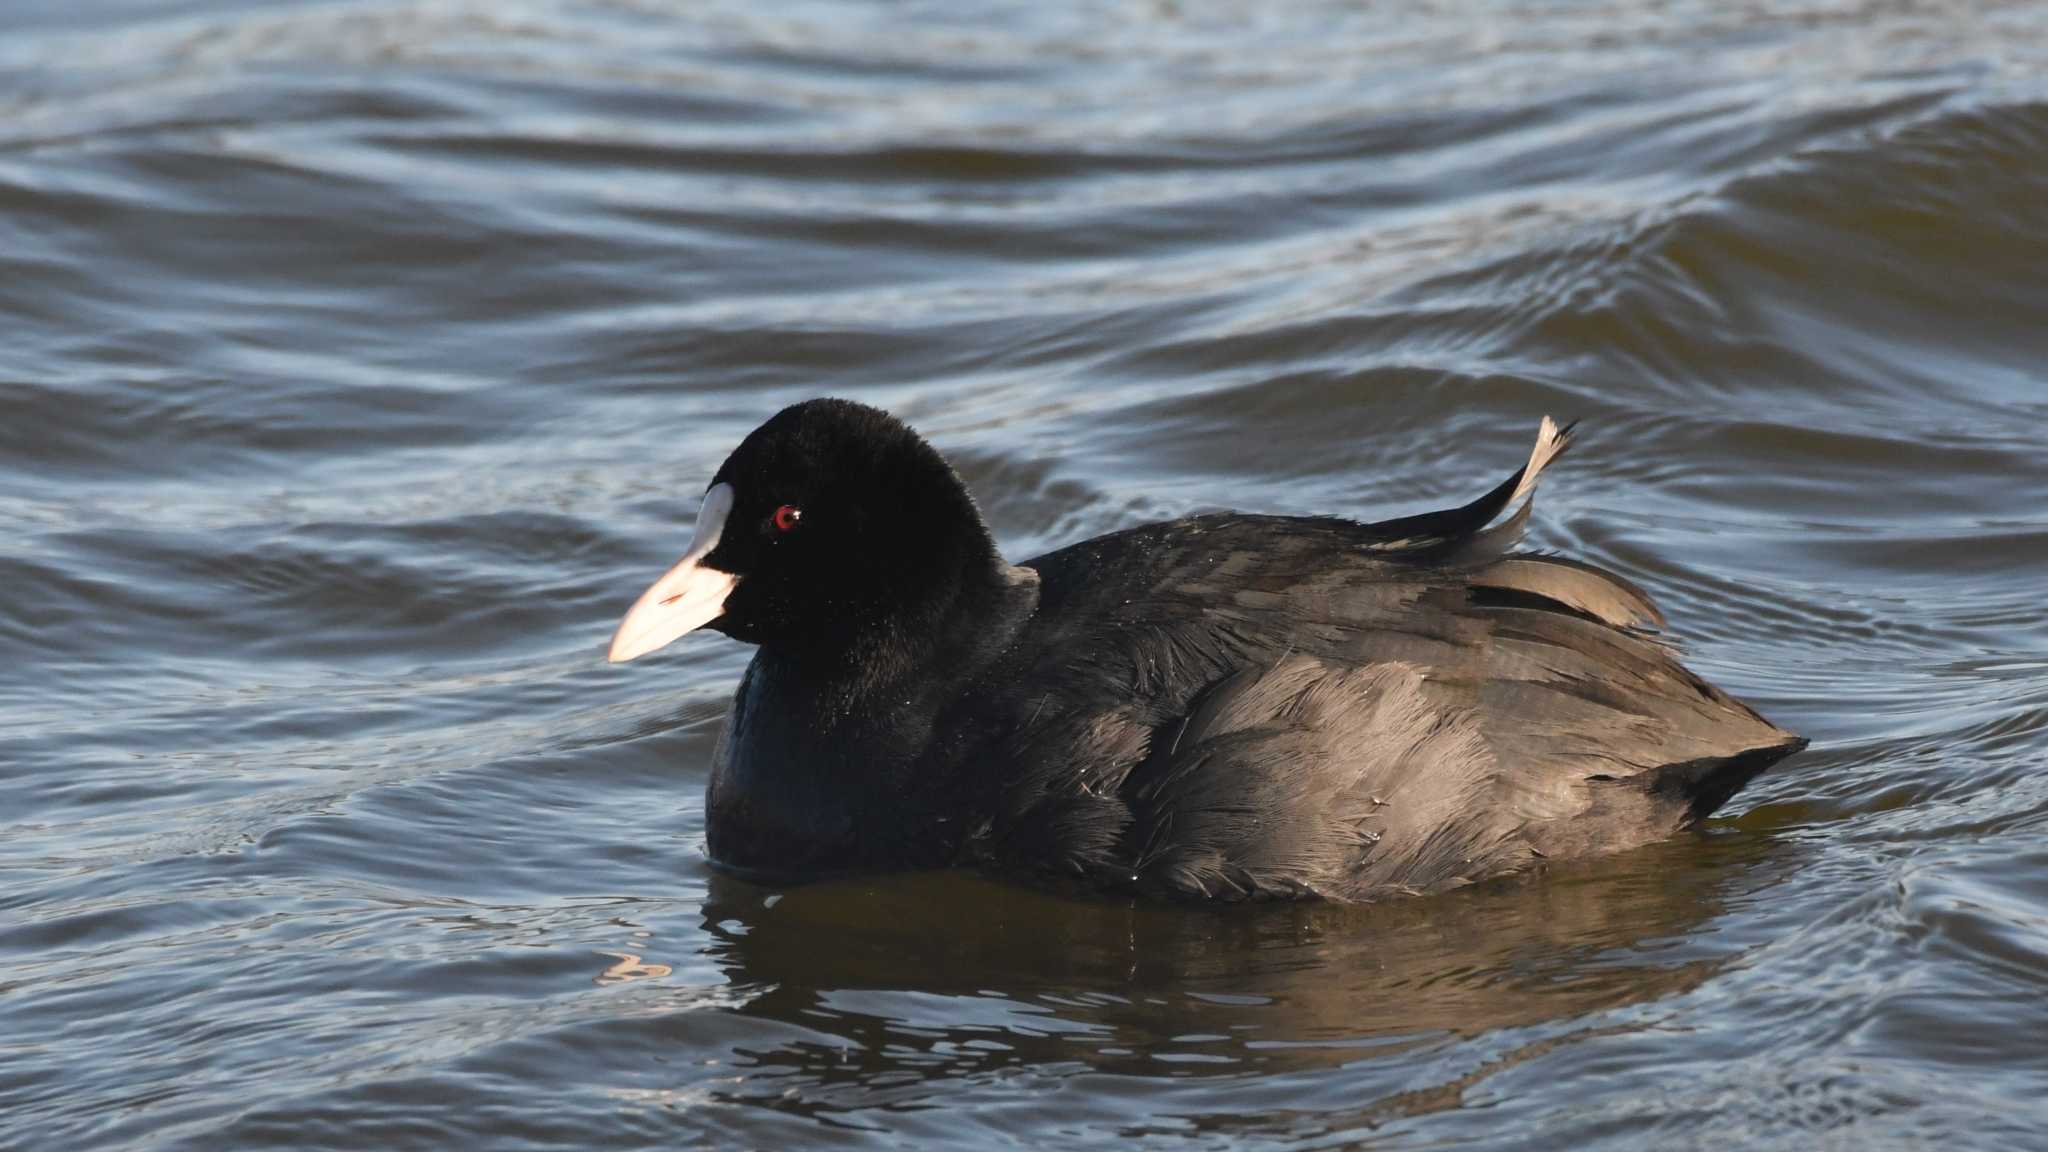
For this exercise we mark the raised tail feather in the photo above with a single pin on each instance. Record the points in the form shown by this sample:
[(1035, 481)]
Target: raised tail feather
[(1551, 441), (1459, 536)]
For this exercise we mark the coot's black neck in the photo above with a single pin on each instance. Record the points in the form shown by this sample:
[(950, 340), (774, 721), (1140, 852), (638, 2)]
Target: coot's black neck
[(825, 763)]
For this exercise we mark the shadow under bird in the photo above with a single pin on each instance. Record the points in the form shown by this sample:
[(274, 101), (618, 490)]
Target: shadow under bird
[(1221, 707)]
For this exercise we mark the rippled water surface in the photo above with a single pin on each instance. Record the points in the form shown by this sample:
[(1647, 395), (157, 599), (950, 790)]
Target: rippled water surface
[(360, 362)]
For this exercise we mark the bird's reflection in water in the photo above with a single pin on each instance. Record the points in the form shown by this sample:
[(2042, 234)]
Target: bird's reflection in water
[(907, 980)]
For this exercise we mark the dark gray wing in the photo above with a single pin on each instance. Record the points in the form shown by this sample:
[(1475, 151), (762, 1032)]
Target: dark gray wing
[(1311, 706), (1315, 778)]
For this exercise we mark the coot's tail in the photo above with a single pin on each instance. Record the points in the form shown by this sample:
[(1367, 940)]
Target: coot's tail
[(1698, 787), (1577, 681), (1460, 536)]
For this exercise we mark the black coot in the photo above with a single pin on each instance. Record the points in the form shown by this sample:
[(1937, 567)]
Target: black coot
[(1221, 707)]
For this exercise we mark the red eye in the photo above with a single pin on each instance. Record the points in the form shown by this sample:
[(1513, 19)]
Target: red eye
[(786, 517)]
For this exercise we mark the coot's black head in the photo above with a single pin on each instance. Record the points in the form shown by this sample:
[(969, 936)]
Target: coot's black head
[(832, 524)]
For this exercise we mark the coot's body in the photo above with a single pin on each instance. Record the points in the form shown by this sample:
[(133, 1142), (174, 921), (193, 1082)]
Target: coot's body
[(1222, 707)]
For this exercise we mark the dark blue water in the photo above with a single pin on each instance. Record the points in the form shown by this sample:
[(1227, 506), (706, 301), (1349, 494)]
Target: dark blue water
[(361, 362)]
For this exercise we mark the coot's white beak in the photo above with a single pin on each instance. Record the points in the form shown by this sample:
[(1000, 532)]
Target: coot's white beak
[(688, 596)]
